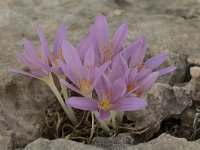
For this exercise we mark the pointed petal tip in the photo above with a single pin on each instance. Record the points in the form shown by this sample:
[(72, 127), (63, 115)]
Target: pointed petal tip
[(166, 70), (143, 38), (100, 15), (125, 24)]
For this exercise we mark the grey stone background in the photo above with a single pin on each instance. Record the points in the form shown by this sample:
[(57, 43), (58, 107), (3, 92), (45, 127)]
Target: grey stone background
[(171, 26)]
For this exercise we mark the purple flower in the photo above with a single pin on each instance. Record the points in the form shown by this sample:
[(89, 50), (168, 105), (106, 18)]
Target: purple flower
[(138, 81), (110, 97), (42, 62), (83, 75), (136, 53), (106, 49)]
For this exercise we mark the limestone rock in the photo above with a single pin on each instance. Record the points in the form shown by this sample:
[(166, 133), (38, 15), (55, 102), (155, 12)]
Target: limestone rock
[(164, 142), (22, 109), (120, 142), (195, 72), (58, 144), (164, 100), (167, 142)]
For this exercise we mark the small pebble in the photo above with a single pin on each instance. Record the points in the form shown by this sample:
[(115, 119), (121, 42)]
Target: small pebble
[(195, 72)]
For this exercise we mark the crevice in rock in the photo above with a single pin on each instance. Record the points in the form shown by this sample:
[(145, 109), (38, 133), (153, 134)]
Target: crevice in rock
[(183, 125), (187, 77), (122, 3)]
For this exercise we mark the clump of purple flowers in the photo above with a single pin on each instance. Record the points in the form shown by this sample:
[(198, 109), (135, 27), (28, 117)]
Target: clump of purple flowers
[(109, 76)]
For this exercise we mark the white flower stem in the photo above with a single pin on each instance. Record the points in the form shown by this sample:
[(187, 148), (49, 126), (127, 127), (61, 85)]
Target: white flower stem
[(113, 117), (103, 124), (71, 111), (92, 128), (120, 117), (49, 81)]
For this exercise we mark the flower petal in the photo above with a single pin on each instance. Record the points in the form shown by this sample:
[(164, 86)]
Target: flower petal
[(39, 73), (65, 83), (24, 59), (23, 72), (156, 61), (67, 72), (102, 86), (83, 46), (129, 104), (100, 71), (89, 57), (83, 103), (120, 37), (132, 76), (132, 49), (166, 70), (45, 49), (147, 82), (103, 115), (30, 48), (61, 35), (119, 68), (138, 57), (143, 73), (100, 31), (72, 59), (71, 55), (117, 89)]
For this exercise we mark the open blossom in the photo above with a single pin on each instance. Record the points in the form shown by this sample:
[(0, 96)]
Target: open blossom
[(42, 62), (110, 97), (138, 80), (105, 48), (84, 75), (137, 55)]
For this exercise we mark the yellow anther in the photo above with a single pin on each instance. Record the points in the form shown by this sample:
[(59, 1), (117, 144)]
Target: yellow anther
[(85, 86), (139, 66), (105, 105), (111, 44), (40, 56), (139, 92), (53, 58), (107, 52), (134, 83), (129, 88)]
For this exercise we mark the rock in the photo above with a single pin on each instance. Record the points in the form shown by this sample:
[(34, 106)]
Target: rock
[(196, 89), (6, 140), (119, 142), (167, 142), (195, 72), (192, 60), (58, 144), (164, 142), (164, 101), (22, 108)]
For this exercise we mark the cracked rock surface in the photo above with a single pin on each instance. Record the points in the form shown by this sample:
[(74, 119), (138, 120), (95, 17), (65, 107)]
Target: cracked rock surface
[(170, 26), (164, 141)]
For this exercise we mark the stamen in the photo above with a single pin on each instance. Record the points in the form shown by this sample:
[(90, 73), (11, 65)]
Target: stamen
[(105, 105), (53, 58), (139, 66), (85, 86), (107, 52), (129, 88), (139, 92), (40, 56)]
